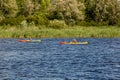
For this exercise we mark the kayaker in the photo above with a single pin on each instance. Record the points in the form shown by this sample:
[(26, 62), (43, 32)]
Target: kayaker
[(30, 38), (74, 40)]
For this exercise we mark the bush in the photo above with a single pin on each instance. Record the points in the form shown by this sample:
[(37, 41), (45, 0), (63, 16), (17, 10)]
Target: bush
[(118, 23), (92, 23), (70, 22), (23, 24), (1, 17), (57, 24), (37, 18), (12, 20)]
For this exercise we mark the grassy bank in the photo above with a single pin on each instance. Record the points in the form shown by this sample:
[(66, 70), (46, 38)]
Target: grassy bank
[(76, 31)]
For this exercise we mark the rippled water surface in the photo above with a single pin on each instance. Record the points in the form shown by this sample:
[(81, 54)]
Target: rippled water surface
[(48, 60)]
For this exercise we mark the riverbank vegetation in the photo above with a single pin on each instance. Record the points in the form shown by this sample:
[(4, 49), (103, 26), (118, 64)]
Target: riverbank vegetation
[(71, 32), (59, 18)]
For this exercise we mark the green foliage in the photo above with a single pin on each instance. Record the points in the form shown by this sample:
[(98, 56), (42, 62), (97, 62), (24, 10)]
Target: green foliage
[(67, 10), (9, 8), (20, 4), (74, 31), (81, 12), (57, 24), (23, 24), (70, 22), (118, 23), (28, 7), (38, 19), (12, 20), (89, 10), (92, 23), (102, 11), (1, 16), (44, 4)]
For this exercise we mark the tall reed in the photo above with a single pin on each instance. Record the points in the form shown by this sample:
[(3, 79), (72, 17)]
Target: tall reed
[(74, 31)]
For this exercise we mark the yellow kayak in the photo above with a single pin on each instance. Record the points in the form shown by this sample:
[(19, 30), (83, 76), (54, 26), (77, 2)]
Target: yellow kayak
[(74, 42)]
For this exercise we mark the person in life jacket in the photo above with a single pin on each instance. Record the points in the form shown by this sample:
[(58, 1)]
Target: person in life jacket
[(74, 40)]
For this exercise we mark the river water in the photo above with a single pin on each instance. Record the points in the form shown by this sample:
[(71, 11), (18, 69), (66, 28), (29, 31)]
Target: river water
[(48, 60)]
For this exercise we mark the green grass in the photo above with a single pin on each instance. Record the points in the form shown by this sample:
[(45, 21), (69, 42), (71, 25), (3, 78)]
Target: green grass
[(70, 32)]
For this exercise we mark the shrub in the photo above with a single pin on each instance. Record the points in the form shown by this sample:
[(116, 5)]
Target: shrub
[(12, 20), (37, 18), (92, 23), (1, 17), (23, 24), (57, 24), (70, 22), (118, 23)]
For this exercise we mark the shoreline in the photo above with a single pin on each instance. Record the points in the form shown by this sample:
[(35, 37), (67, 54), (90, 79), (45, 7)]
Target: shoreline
[(71, 32)]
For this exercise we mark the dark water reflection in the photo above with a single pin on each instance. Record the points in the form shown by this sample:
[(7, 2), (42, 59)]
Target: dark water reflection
[(48, 60)]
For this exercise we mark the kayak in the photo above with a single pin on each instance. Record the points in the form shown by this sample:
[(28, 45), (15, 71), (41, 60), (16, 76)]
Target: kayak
[(74, 42), (29, 40)]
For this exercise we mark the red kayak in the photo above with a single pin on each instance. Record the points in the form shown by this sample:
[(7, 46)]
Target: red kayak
[(24, 40)]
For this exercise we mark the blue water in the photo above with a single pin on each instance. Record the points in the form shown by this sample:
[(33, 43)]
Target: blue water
[(48, 60)]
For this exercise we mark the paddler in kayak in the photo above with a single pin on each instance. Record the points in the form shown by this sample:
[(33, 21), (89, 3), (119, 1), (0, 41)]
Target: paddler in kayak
[(75, 41), (30, 38)]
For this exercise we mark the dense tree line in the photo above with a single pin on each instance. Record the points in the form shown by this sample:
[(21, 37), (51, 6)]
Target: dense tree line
[(69, 12)]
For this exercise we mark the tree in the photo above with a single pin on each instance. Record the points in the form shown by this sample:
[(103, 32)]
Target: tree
[(68, 10), (44, 4), (102, 10), (89, 10), (1, 16), (8, 8), (28, 7)]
